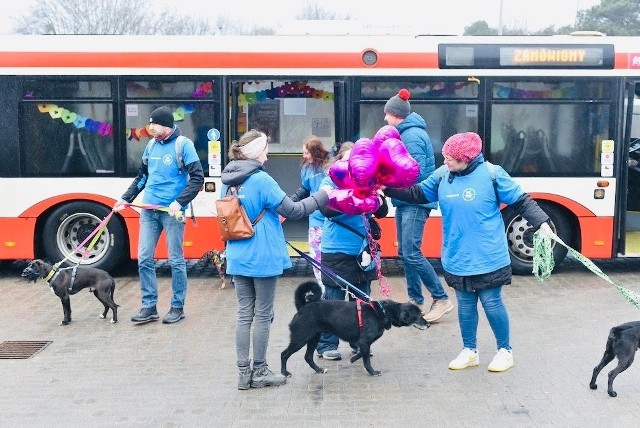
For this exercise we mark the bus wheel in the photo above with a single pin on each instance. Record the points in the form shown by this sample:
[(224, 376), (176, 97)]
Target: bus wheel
[(520, 237), (70, 224)]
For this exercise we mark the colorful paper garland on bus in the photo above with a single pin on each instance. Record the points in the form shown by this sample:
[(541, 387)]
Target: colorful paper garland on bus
[(103, 128), (295, 88)]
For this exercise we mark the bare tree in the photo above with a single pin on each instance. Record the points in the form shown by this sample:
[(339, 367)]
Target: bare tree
[(227, 26), (313, 11), (105, 17)]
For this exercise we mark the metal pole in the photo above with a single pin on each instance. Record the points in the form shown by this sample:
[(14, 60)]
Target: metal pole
[(500, 19)]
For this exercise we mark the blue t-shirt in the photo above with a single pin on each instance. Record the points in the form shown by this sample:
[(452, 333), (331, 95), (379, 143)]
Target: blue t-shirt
[(337, 239), (265, 254), (165, 180), (311, 177), (473, 239)]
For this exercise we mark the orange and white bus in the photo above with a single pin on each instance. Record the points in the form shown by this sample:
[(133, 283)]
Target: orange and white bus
[(559, 113)]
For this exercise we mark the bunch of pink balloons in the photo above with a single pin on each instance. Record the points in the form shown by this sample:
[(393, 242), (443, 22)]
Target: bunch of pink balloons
[(381, 161)]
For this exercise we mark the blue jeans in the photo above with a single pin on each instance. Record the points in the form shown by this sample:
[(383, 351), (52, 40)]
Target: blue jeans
[(494, 309), (328, 341), (152, 223), (410, 221), (255, 303)]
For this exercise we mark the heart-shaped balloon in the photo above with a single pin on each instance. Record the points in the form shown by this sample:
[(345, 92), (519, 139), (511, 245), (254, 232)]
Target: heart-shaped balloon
[(396, 167), (385, 133), (363, 163), (346, 201), (339, 174)]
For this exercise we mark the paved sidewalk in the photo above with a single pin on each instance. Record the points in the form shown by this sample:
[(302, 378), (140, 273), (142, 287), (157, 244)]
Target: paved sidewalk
[(99, 374)]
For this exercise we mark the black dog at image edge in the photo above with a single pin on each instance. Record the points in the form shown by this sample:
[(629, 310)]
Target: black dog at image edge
[(63, 284), (359, 323), (623, 342)]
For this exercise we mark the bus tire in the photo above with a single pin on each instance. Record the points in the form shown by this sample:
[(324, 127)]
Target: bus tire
[(69, 225), (520, 237)]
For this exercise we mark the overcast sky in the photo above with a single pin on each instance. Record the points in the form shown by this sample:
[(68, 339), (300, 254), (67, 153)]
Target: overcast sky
[(426, 16)]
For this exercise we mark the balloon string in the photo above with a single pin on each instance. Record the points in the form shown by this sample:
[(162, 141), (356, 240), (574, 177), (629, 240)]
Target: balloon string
[(374, 248)]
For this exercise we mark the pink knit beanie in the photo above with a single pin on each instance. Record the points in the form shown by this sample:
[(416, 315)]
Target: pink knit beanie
[(464, 147)]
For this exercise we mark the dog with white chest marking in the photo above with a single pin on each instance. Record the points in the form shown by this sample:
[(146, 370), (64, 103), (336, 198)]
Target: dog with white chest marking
[(358, 322), (67, 281)]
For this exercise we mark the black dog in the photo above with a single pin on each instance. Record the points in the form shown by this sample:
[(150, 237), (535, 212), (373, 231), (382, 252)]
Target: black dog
[(65, 282), (623, 341), (359, 323)]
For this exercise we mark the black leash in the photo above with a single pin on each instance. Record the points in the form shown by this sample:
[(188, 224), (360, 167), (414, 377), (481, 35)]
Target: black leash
[(348, 287)]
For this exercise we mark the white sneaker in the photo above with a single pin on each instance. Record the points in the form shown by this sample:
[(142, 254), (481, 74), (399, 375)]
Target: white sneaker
[(502, 361), (466, 358)]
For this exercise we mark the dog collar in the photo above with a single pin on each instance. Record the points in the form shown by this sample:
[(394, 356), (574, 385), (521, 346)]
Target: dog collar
[(53, 279), (53, 272)]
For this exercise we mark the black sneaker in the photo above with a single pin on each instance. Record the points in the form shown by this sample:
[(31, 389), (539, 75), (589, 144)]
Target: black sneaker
[(174, 315), (146, 315)]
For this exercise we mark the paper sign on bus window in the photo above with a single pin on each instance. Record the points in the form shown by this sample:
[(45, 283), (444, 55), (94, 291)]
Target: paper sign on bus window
[(607, 146), (471, 110), (606, 170), (132, 110), (606, 158)]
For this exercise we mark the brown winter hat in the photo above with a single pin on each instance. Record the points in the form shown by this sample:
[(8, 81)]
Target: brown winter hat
[(398, 105), (162, 116)]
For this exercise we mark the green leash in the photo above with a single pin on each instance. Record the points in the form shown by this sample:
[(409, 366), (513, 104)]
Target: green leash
[(543, 263)]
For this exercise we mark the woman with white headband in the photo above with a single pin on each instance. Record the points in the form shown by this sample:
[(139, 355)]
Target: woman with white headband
[(256, 263)]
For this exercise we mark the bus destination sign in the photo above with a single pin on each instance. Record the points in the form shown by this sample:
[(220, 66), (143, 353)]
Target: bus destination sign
[(528, 56), (495, 56)]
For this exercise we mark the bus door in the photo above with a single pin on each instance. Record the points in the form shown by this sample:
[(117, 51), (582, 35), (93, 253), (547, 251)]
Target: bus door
[(631, 223), (288, 111)]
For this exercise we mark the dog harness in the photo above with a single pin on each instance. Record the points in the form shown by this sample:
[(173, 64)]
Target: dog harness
[(359, 303), (56, 272)]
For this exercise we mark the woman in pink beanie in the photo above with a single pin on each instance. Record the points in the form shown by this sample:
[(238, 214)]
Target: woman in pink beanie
[(475, 256)]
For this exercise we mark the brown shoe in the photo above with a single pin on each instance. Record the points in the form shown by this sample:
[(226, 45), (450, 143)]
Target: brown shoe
[(439, 308)]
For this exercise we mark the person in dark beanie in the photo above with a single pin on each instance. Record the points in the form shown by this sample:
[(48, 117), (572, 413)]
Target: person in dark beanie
[(171, 175), (162, 116), (411, 218)]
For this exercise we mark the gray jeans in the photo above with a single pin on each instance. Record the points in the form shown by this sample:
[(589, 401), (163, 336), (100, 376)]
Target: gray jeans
[(255, 303)]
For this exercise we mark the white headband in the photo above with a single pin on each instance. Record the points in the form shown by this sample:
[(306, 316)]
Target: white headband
[(255, 147)]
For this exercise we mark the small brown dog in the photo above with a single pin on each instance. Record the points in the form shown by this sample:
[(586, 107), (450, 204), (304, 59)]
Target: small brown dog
[(219, 260)]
